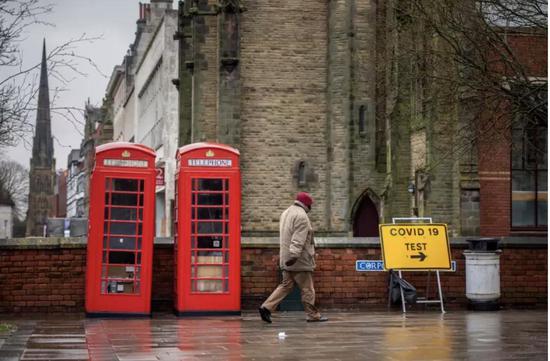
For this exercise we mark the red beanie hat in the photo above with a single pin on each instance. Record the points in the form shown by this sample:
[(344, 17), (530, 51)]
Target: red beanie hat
[(305, 198)]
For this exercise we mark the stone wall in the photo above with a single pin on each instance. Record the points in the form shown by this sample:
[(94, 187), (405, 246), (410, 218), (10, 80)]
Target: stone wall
[(48, 276), (283, 109)]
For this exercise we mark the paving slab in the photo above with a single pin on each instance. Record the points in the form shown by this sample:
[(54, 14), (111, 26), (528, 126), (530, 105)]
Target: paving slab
[(456, 335)]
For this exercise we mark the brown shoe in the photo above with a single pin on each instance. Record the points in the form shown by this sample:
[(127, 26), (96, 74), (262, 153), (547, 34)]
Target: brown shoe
[(320, 319)]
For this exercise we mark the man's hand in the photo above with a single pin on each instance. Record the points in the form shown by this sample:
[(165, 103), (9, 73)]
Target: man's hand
[(291, 261)]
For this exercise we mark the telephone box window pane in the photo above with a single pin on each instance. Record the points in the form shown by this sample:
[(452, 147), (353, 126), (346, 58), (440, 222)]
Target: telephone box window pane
[(210, 213), (124, 214), (209, 227), (126, 185), (122, 257), (122, 243), (123, 199), (139, 243), (209, 271), (127, 228), (121, 272), (120, 287), (210, 199), (209, 286), (210, 242), (210, 184), (209, 257)]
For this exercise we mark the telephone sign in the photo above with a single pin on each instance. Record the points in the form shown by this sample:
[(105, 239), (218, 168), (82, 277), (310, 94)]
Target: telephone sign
[(415, 246)]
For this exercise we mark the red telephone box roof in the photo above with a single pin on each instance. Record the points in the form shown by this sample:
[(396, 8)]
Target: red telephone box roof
[(191, 147), (125, 145)]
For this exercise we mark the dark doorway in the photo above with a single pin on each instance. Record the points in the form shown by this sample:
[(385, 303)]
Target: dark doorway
[(365, 223)]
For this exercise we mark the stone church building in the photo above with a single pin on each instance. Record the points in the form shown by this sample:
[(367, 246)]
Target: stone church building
[(42, 164), (299, 88)]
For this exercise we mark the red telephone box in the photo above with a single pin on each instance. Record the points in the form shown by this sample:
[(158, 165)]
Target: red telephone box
[(207, 241), (121, 230)]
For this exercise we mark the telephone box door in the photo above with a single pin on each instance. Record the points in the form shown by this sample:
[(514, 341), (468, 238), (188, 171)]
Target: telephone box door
[(208, 224)]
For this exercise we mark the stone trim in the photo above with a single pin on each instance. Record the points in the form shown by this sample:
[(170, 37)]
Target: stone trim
[(265, 242)]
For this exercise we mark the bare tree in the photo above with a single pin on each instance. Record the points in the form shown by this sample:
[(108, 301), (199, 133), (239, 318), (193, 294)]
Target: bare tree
[(19, 82), (14, 180), (466, 55)]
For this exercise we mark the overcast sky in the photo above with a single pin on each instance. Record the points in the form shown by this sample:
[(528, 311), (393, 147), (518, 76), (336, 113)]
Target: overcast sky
[(115, 21)]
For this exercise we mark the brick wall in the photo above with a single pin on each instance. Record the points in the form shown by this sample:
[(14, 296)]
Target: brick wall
[(495, 147), (494, 180), (52, 280), (40, 280)]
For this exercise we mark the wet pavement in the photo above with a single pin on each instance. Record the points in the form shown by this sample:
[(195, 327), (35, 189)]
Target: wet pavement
[(457, 335)]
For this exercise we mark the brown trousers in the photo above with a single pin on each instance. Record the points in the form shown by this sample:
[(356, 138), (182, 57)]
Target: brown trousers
[(304, 280)]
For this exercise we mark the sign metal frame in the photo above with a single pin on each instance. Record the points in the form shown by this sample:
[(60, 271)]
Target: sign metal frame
[(400, 272)]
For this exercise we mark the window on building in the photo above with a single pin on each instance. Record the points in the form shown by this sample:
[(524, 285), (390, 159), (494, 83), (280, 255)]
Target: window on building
[(302, 181), (530, 175), (362, 119)]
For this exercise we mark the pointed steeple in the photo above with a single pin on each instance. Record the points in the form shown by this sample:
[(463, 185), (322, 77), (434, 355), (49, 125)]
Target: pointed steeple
[(42, 151), (42, 172)]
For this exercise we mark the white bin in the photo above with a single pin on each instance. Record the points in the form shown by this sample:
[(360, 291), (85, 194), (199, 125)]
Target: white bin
[(482, 276)]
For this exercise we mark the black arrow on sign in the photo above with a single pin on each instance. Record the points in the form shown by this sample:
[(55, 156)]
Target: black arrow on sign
[(420, 255)]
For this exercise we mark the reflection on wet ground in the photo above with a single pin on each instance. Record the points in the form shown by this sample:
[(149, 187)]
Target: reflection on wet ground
[(502, 335)]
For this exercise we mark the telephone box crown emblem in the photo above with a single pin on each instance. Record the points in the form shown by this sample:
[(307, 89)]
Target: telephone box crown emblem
[(210, 153), (126, 154)]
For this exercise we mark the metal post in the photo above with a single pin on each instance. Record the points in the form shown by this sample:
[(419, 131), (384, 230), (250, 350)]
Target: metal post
[(440, 293), (402, 294)]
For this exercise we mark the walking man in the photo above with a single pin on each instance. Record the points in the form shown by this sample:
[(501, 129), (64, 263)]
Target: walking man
[(297, 259)]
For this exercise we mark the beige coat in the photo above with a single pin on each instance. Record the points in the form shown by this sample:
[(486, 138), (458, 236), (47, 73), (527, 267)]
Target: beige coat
[(296, 239)]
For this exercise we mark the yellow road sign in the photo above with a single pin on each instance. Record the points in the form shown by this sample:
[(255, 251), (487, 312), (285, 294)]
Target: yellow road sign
[(415, 246)]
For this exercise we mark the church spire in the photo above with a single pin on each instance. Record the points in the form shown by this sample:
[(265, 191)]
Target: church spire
[(42, 172), (42, 150)]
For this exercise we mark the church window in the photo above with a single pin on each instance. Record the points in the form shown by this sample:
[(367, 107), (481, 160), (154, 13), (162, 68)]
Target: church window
[(362, 119), (302, 174)]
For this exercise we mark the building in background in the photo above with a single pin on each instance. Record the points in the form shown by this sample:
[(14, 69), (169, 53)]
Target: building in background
[(7, 215), (145, 101), (98, 129), (60, 192), (76, 184), (42, 164)]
